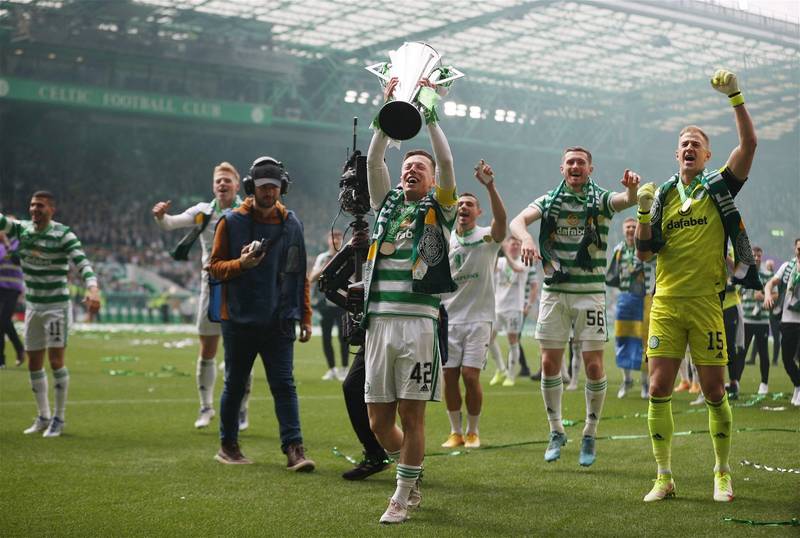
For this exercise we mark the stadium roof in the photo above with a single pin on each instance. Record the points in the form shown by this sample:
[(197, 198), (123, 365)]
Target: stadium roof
[(570, 59)]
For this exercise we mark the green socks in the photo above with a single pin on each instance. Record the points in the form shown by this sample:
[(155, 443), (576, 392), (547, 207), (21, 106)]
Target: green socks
[(720, 425), (661, 426)]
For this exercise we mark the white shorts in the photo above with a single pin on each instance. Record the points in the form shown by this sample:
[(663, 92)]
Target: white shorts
[(467, 344), (401, 360), (560, 313), (509, 321), (46, 328), (205, 327)]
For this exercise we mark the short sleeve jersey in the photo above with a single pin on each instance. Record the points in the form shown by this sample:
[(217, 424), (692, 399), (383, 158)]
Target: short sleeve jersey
[(510, 286), (569, 232), (391, 290), (472, 258), (45, 256)]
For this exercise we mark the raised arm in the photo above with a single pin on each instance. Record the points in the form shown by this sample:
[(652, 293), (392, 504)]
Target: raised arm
[(444, 158), (741, 158), (377, 171), (623, 200), (519, 229), (485, 175), (644, 232)]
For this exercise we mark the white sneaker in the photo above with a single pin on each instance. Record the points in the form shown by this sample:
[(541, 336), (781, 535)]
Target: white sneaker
[(55, 429), (395, 513), (796, 397), (623, 389), (763, 388), (204, 418), (329, 375), (700, 400), (40, 424), (645, 392), (341, 373), (572, 386), (244, 421)]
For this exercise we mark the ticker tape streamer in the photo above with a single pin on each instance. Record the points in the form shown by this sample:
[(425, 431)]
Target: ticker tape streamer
[(751, 402), (464, 452), (167, 370), (119, 358), (794, 522), (768, 468)]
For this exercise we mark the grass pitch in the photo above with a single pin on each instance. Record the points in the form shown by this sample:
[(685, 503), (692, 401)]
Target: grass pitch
[(131, 464)]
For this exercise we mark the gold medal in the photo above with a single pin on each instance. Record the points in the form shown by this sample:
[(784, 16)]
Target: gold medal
[(387, 249), (686, 205)]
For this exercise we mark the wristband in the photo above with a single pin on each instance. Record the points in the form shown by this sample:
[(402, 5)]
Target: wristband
[(644, 245), (644, 218), (736, 99)]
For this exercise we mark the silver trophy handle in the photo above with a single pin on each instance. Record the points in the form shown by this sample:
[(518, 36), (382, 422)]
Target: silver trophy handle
[(456, 75), (376, 69)]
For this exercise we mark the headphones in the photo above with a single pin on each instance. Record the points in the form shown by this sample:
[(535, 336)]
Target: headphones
[(264, 167)]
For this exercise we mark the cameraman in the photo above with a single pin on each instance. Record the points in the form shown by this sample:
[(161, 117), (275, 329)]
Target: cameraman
[(259, 255)]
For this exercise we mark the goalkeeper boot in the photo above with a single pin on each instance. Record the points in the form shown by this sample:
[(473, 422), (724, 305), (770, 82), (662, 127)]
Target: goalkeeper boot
[(723, 487), (588, 454), (553, 452), (664, 488)]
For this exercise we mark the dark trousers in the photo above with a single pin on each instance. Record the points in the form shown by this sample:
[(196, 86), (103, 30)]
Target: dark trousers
[(328, 318), (275, 344), (759, 333), (8, 300), (353, 388), (775, 329), (730, 316), (790, 349)]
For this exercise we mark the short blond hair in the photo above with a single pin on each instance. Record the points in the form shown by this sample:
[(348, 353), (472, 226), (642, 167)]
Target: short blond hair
[(694, 129), (225, 166)]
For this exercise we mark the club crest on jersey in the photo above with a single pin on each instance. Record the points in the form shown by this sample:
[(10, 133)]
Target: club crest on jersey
[(654, 342), (431, 246), (572, 219)]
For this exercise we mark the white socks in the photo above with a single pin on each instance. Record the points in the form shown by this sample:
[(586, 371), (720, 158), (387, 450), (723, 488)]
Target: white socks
[(455, 422), (206, 376), (513, 360), (494, 351), (407, 476), (595, 396), (472, 423), (61, 380), (39, 386), (552, 389)]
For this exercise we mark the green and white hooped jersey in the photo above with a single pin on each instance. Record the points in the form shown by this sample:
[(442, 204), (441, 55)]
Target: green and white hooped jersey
[(627, 264), (509, 292), (569, 232), (45, 258), (391, 289), (754, 312), (472, 258)]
